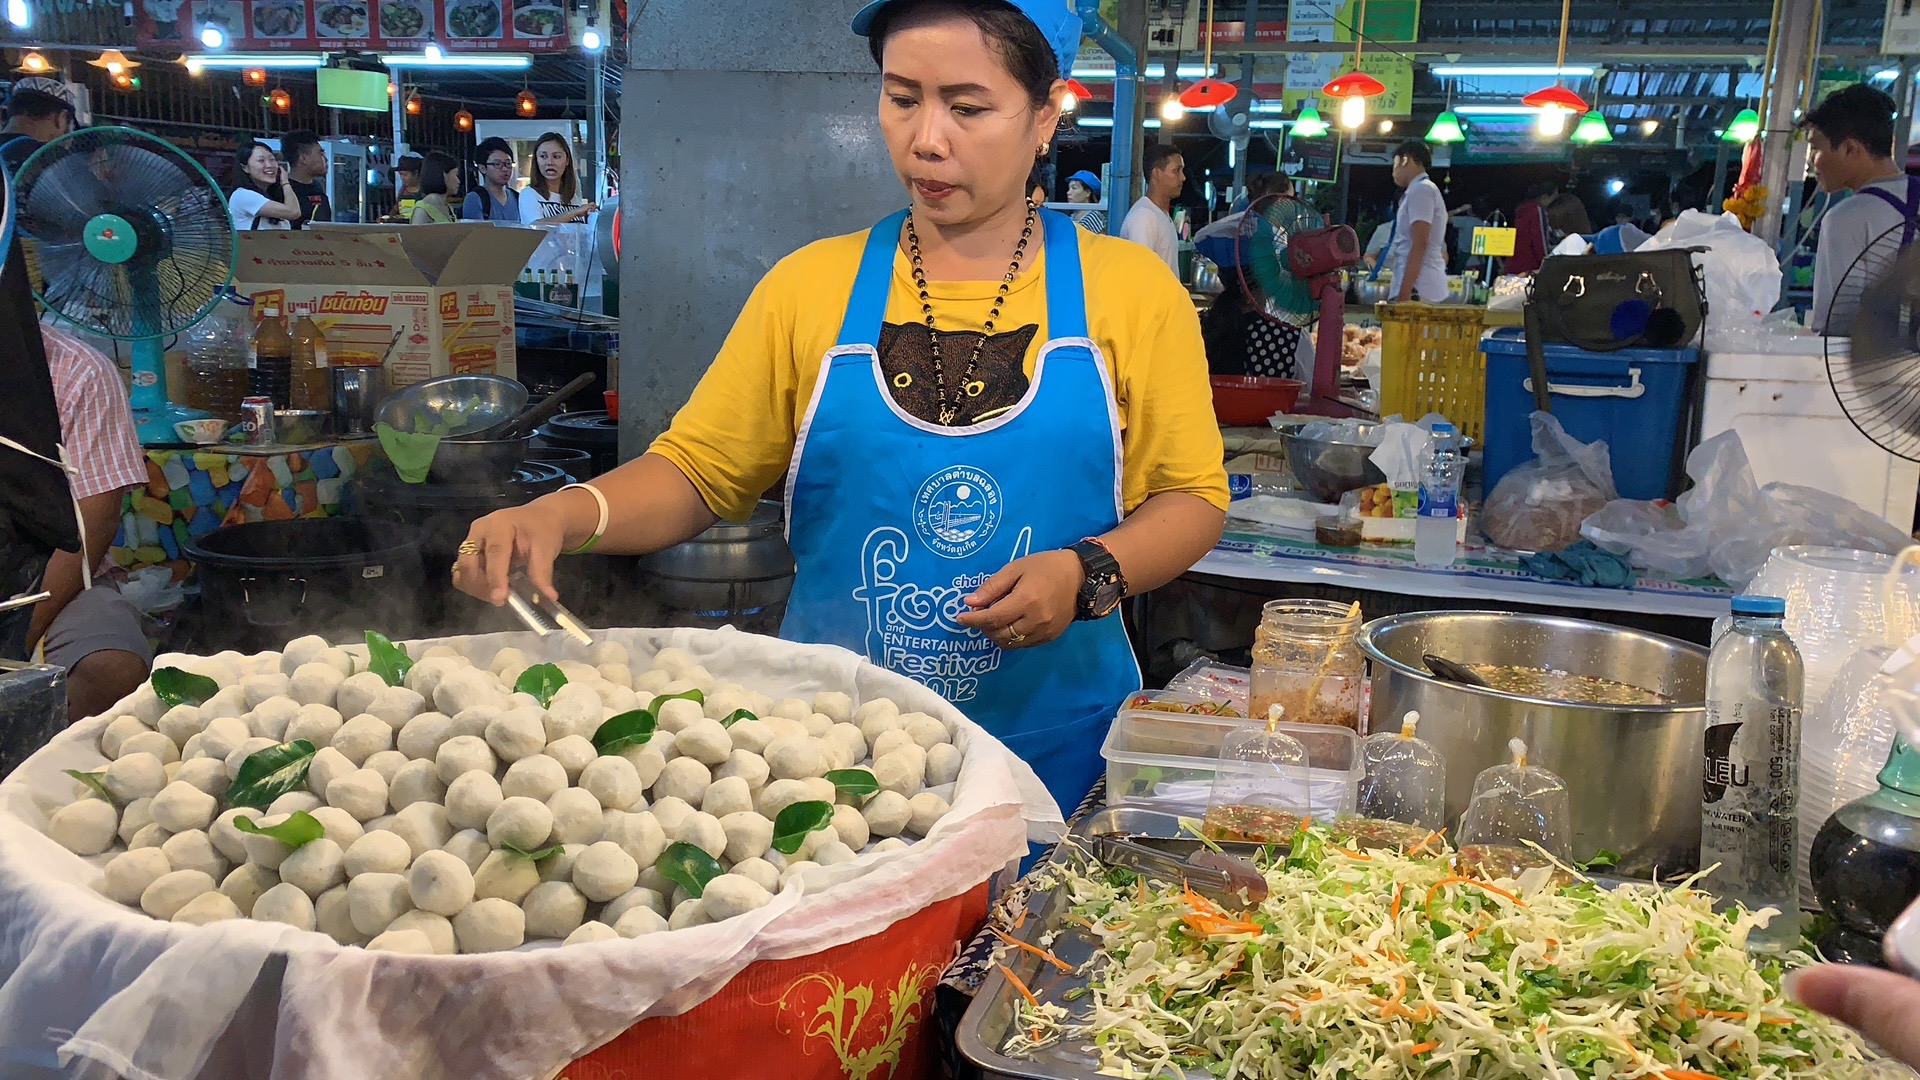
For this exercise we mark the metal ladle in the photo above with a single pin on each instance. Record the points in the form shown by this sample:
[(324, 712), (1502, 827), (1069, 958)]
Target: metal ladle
[(1459, 673)]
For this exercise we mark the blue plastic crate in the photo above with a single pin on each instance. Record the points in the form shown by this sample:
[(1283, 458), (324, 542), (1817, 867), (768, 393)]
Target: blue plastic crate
[(1635, 400)]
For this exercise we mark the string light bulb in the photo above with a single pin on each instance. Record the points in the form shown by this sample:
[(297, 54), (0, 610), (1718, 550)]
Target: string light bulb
[(34, 64), (463, 120), (525, 104), (254, 76), (1077, 92), (414, 104), (1172, 110), (1353, 112), (280, 101)]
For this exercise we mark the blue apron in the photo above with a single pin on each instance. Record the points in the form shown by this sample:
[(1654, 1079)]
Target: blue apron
[(894, 521)]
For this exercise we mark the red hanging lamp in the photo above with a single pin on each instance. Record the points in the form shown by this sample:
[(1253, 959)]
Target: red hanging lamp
[(1352, 88), (1556, 103), (1209, 91)]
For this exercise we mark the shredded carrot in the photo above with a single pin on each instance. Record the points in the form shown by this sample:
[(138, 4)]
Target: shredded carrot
[(1355, 855), (1021, 920), (1475, 932), (1018, 985), (1197, 902), (1395, 911), (1034, 949), (1431, 837), (1425, 1047), (1687, 1074), (1457, 880), (1738, 1014)]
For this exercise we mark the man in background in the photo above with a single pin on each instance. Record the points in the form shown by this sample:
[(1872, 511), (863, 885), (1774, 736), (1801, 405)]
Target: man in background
[(1418, 254), (38, 111), (408, 170), (1850, 147), (1150, 222), (307, 170), (94, 632)]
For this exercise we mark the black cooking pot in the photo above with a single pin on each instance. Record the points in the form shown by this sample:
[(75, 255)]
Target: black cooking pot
[(265, 583), (593, 431)]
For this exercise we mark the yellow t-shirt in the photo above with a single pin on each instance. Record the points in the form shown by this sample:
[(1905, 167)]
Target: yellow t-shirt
[(734, 438)]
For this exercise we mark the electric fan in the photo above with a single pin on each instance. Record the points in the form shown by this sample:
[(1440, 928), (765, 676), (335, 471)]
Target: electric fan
[(1295, 260), (129, 238), (1873, 344)]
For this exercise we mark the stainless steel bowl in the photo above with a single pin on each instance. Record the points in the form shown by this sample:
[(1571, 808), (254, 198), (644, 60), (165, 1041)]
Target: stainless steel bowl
[(477, 461), (465, 403), (1330, 468), (297, 427), (1633, 771)]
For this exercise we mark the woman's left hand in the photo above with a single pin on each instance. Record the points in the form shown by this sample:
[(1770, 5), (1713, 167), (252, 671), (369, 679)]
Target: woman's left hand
[(1029, 602)]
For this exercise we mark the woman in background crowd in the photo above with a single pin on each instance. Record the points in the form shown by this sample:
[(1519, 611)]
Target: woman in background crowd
[(552, 195), (439, 186), (263, 195)]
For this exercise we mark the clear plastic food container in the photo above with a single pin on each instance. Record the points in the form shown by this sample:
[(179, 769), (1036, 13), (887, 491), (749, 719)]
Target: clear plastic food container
[(1167, 761)]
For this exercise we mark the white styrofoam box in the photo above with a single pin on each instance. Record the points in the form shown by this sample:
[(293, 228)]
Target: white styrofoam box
[(1794, 431)]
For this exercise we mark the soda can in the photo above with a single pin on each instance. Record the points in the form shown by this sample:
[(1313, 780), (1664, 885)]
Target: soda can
[(256, 419)]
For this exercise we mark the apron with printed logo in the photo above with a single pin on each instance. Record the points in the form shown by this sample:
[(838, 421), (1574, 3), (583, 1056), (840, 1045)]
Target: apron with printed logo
[(894, 521)]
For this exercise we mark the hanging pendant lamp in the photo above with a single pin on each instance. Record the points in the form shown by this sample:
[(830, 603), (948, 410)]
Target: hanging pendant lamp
[(1744, 128), (1592, 128), (1353, 88), (1446, 128), (1556, 102), (1309, 125), (1209, 91), (1077, 92)]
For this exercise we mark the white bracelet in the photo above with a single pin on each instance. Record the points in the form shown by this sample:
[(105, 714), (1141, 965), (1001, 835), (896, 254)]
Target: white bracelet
[(600, 529)]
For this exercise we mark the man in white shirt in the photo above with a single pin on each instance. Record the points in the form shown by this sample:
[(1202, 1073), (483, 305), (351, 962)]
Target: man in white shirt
[(1150, 222), (1850, 144), (1418, 254)]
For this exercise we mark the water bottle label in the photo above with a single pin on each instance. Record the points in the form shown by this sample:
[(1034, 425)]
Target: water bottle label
[(1443, 503), (1239, 485)]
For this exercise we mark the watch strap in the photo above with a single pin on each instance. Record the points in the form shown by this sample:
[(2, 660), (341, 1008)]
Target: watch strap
[(1104, 584)]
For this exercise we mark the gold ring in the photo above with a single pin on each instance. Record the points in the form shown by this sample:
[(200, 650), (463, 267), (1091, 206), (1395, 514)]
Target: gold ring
[(1015, 637), (468, 547)]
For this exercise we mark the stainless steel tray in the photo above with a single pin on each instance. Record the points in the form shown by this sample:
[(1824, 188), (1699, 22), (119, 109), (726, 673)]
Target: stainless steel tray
[(988, 1024)]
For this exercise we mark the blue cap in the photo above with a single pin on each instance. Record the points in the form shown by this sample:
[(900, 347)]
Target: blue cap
[(1087, 178), (1765, 607), (1057, 21)]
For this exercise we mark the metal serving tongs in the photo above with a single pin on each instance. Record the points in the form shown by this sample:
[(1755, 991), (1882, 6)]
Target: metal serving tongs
[(1209, 873), (543, 616)]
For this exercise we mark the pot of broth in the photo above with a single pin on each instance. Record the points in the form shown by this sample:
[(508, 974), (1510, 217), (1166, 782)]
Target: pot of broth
[(1618, 713)]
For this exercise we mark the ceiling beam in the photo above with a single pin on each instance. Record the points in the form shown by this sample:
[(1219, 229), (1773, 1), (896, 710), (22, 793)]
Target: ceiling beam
[(1578, 52)]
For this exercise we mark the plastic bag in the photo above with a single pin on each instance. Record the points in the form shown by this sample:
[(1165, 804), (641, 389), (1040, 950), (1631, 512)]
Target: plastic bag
[(1742, 275), (1726, 525), (1540, 505), (1509, 292)]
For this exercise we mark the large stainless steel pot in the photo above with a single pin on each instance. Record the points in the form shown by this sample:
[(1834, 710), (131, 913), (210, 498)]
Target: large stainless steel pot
[(1633, 771), (739, 574)]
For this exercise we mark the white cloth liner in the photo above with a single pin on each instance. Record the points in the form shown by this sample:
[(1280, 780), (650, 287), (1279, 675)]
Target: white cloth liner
[(84, 976)]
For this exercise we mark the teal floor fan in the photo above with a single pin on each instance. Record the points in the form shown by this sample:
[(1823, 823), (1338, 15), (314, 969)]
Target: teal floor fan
[(128, 238)]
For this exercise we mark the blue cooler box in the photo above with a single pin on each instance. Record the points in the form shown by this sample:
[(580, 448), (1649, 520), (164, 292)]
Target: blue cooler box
[(1635, 400)]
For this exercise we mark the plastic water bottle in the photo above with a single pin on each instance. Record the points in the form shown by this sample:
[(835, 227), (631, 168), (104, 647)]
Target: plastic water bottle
[(1750, 778), (219, 351), (1436, 534)]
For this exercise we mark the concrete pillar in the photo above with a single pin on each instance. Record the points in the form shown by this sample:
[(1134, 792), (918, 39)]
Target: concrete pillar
[(1787, 85), (749, 128)]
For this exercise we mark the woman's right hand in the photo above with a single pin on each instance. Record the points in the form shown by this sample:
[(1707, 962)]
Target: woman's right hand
[(531, 536)]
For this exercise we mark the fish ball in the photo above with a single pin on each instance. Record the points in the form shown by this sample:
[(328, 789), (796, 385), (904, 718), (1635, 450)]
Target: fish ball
[(396, 705), (315, 684), (356, 692), (732, 894), (193, 850), (205, 774), (469, 846), (746, 765), (553, 909), (748, 835), (264, 687), (472, 799), (638, 922), (129, 873), (517, 733), (440, 882), (753, 735), (647, 761), (490, 925), (613, 781), (285, 903), (423, 826), (374, 900), (180, 723), (640, 836), (705, 741), (795, 758), (118, 731), (316, 724), (727, 796), (315, 867), (179, 807), (780, 794), (339, 826), (362, 793), (604, 871), (928, 809), (362, 737), (525, 823), (536, 777), (246, 750), (464, 754), (422, 735), (418, 781), (377, 853), (888, 813), (851, 826), (590, 932), (325, 767), (246, 883), (574, 753), (901, 770), (943, 765), (576, 709), (332, 916), (206, 908), (576, 817), (703, 831), (682, 778), (174, 890)]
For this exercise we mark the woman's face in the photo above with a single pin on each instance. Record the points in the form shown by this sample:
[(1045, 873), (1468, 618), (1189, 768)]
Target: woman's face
[(262, 166), (962, 133), (552, 158), (1079, 192), (453, 182)]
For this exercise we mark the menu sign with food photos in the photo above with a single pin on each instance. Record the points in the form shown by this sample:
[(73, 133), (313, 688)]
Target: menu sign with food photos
[(329, 25)]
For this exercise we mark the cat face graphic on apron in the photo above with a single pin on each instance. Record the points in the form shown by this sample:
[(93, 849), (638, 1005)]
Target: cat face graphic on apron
[(894, 521)]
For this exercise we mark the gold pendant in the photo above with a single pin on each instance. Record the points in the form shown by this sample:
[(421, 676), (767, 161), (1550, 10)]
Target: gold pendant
[(903, 380), (946, 416), (975, 388)]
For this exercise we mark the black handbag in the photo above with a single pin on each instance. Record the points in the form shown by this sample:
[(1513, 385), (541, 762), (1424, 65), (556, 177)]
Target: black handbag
[(1604, 303)]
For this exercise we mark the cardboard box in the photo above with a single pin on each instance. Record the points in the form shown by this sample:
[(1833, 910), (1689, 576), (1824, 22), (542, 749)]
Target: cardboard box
[(447, 290)]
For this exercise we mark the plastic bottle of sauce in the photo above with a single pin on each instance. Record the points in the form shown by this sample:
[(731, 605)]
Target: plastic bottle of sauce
[(310, 382), (272, 372)]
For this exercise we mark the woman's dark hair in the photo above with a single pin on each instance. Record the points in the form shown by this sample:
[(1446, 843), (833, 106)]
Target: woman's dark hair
[(433, 174), (1858, 112), (1022, 48), (241, 177), (537, 180)]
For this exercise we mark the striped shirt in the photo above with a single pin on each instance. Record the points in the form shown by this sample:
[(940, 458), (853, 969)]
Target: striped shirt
[(96, 423)]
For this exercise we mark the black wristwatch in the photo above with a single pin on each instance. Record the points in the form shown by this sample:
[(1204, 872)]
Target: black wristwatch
[(1104, 585)]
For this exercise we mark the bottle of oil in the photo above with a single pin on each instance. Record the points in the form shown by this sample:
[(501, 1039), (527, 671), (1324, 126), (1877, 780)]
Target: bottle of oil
[(310, 383), (1866, 861), (219, 352), (272, 371)]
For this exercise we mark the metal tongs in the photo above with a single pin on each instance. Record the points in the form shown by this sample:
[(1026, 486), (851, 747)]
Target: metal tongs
[(543, 616), (1208, 872)]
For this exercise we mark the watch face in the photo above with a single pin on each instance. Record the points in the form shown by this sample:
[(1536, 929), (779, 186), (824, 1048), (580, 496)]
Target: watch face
[(1107, 597)]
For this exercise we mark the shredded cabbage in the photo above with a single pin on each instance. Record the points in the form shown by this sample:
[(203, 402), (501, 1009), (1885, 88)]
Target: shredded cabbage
[(1379, 964)]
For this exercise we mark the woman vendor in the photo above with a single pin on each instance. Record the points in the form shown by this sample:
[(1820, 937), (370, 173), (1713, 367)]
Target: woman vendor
[(992, 425)]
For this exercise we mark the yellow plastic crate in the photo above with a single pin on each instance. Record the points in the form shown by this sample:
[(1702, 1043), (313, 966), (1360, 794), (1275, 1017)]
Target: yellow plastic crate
[(1430, 361)]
